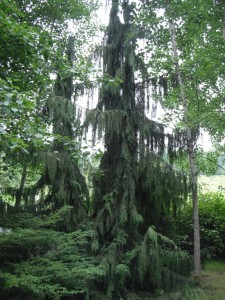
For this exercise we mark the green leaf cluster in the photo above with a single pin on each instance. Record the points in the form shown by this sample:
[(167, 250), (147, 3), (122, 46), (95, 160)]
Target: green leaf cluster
[(212, 225), (38, 262)]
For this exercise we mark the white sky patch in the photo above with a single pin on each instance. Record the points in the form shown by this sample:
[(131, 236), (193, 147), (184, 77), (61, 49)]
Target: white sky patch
[(205, 142)]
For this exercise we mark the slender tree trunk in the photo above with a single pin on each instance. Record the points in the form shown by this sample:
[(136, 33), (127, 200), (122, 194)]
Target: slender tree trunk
[(191, 156), (19, 192)]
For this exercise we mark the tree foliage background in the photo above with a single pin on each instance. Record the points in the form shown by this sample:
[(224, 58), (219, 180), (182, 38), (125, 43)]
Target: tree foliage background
[(72, 230)]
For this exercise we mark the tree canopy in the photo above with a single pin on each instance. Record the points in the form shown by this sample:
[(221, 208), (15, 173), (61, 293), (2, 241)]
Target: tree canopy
[(81, 225)]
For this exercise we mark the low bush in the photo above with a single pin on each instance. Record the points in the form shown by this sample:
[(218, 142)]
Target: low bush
[(212, 225), (43, 263)]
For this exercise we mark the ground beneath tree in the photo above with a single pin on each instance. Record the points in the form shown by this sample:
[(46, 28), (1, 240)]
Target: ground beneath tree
[(213, 280)]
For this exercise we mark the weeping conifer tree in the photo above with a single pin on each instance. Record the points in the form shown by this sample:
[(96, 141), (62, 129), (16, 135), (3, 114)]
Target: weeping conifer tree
[(61, 182), (138, 188)]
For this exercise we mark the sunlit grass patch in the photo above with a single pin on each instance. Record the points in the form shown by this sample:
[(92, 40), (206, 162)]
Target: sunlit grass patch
[(214, 183), (215, 266), (213, 280)]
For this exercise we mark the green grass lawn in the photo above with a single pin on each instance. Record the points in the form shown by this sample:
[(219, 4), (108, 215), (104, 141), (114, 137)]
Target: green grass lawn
[(211, 183), (213, 280)]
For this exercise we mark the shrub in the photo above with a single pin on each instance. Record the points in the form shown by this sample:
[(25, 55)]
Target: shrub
[(43, 263), (212, 225)]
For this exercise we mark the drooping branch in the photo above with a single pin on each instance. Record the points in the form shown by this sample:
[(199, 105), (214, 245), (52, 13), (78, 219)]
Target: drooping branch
[(137, 187)]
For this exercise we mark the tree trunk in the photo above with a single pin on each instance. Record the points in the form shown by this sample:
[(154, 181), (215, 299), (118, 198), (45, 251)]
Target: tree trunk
[(191, 156), (19, 192)]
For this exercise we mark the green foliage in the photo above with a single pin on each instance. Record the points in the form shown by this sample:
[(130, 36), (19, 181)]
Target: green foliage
[(32, 38), (212, 224), (37, 262), (20, 78), (53, 151), (69, 246), (206, 162), (137, 187), (187, 294), (26, 220), (160, 263), (200, 42), (152, 265)]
